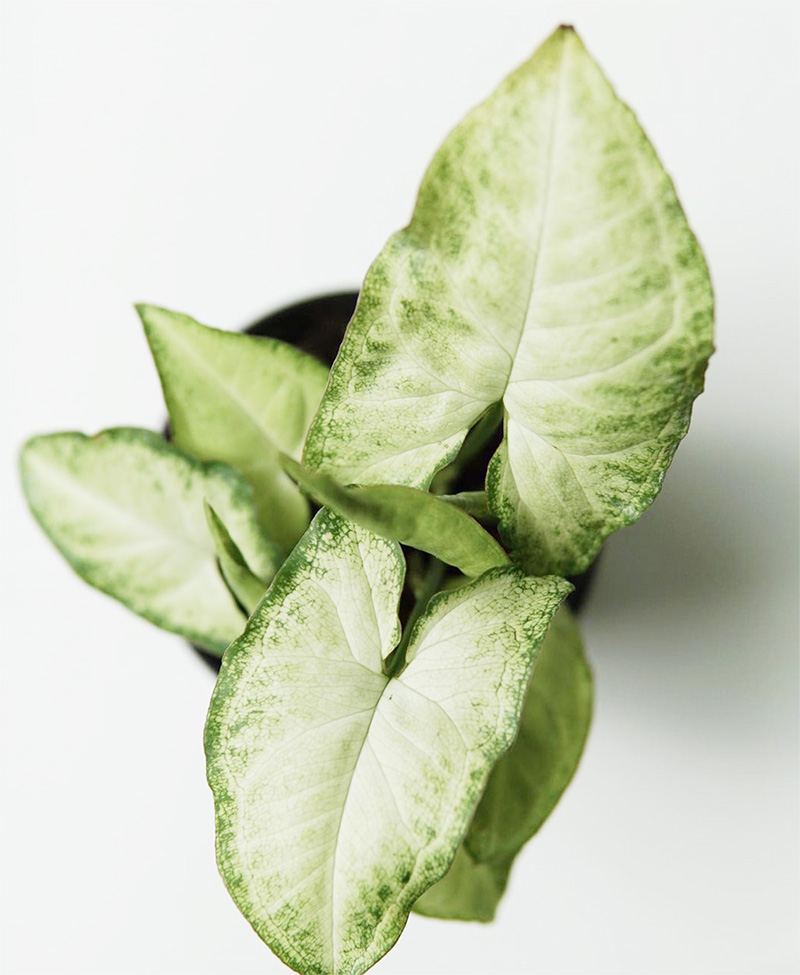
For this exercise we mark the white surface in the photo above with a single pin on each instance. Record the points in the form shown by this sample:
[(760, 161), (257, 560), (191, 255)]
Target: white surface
[(223, 159)]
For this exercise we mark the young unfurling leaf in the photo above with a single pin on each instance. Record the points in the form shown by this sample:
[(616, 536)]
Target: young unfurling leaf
[(410, 516), (244, 585)]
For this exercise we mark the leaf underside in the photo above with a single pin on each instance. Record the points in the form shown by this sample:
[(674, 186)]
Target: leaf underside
[(469, 891), (341, 793), (126, 511), (240, 399), (527, 781), (549, 267)]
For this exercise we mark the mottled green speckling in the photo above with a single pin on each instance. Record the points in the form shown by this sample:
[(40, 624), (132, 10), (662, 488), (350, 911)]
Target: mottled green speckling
[(241, 399), (126, 511), (548, 266), (342, 794)]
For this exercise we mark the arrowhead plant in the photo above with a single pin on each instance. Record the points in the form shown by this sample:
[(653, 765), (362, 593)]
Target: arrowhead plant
[(380, 554)]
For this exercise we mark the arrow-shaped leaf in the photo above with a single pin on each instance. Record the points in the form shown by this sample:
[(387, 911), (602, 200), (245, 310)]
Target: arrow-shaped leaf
[(126, 511), (341, 793), (241, 399), (243, 584), (548, 267)]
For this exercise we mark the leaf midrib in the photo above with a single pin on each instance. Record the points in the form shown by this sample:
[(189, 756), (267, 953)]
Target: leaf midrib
[(388, 681), (546, 202)]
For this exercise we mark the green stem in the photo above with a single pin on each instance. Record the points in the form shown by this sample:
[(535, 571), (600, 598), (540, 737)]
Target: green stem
[(480, 435), (475, 505), (477, 438), (396, 660)]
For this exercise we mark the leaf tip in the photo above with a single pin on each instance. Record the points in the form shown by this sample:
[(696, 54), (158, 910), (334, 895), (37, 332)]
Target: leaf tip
[(152, 316), (212, 518), (565, 34)]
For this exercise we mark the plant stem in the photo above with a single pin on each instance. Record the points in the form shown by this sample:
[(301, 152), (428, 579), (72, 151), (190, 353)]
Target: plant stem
[(396, 660), (475, 505), (475, 441), (480, 435)]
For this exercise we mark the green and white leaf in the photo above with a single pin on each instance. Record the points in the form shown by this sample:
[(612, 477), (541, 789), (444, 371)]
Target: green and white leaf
[(126, 511), (527, 781), (548, 266), (241, 399), (410, 516), (243, 584), (341, 793)]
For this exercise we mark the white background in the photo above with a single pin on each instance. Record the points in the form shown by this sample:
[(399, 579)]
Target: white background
[(224, 159)]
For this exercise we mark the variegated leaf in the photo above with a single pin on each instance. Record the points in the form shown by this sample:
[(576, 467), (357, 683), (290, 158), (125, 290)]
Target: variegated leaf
[(126, 511), (548, 267), (343, 793)]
